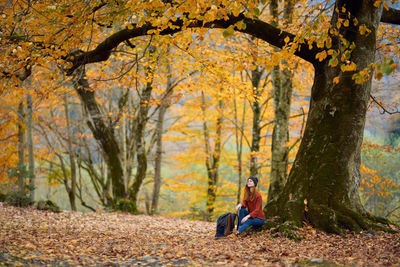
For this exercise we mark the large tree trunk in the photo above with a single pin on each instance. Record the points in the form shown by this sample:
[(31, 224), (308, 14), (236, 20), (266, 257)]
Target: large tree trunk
[(322, 187), (282, 88)]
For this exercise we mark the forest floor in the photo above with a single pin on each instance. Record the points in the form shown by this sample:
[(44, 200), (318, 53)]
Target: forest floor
[(32, 237)]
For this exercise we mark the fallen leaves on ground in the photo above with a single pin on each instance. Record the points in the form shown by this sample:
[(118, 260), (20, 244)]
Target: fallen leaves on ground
[(32, 236)]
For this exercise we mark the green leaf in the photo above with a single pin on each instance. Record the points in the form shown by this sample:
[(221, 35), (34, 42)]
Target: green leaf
[(387, 69), (243, 25), (333, 62), (257, 11), (228, 31)]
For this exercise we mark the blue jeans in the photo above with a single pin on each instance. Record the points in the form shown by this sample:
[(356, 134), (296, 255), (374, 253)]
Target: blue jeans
[(250, 221)]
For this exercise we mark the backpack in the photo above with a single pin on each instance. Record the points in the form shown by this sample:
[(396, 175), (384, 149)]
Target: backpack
[(225, 224)]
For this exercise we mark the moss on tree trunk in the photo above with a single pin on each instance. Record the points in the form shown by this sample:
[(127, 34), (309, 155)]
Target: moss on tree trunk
[(322, 187)]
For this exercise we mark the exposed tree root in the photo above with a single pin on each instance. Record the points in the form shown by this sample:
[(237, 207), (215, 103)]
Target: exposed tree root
[(340, 218), (379, 219), (335, 219), (324, 218)]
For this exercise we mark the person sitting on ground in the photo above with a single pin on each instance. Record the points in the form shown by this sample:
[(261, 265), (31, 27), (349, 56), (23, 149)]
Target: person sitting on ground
[(252, 200)]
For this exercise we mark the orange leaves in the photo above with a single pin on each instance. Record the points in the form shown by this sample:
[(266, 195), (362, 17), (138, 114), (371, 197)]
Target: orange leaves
[(377, 3), (362, 76), (376, 185), (385, 66), (321, 55), (336, 80), (376, 182), (351, 66), (363, 30)]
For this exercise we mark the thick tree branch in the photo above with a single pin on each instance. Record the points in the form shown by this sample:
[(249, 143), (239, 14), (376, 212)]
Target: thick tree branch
[(254, 27), (391, 16)]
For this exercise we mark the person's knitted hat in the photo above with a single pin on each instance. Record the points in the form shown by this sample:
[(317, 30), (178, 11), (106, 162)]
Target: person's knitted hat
[(254, 179)]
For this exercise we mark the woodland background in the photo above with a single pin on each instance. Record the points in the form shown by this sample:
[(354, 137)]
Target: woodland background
[(180, 110)]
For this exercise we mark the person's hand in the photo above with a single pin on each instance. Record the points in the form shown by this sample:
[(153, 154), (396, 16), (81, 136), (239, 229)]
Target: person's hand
[(238, 206), (245, 219)]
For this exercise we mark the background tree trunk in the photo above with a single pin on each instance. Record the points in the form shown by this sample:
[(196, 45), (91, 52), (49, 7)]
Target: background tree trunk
[(256, 130), (212, 156), (159, 132), (31, 171), (103, 134), (21, 168), (282, 93), (72, 162), (139, 131), (239, 144), (158, 158)]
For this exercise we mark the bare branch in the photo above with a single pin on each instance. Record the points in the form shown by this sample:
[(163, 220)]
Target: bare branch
[(384, 110), (8, 137), (291, 117)]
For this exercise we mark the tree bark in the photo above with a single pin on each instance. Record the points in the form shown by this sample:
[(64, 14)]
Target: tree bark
[(282, 93), (280, 134), (256, 130), (159, 132), (100, 182), (103, 134), (140, 127), (239, 143), (21, 168), (158, 159), (212, 156), (159, 151), (72, 162), (323, 184), (31, 170)]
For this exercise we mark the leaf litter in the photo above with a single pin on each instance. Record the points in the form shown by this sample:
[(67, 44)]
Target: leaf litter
[(30, 236)]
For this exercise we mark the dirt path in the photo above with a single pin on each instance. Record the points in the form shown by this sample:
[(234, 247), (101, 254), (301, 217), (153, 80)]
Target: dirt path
[(71, 238)]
